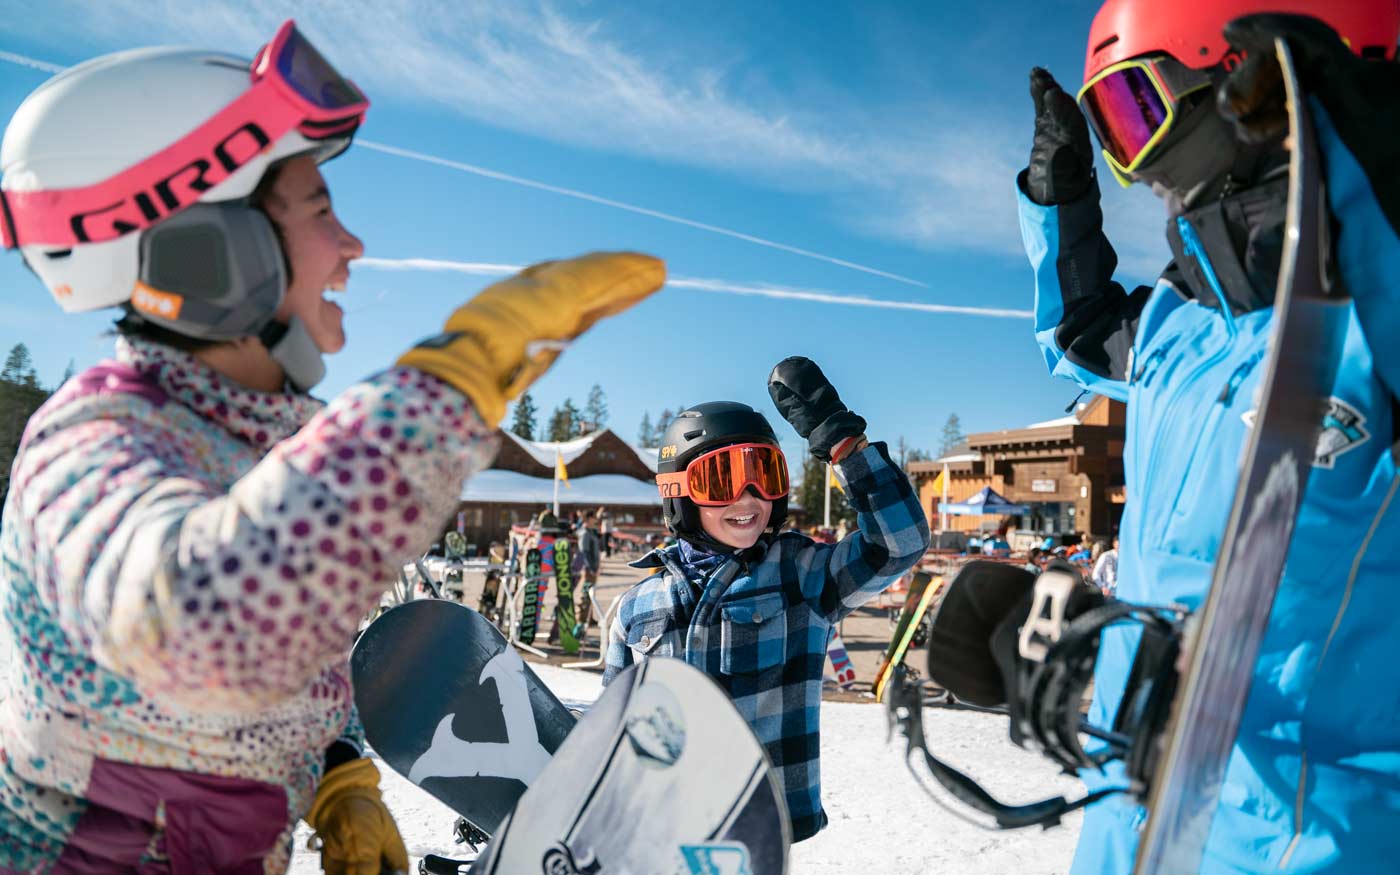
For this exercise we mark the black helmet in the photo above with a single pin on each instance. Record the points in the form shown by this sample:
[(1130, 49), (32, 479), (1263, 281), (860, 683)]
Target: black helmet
[(696, 430)]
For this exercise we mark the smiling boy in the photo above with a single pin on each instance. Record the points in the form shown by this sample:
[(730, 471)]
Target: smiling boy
[(752, 608)]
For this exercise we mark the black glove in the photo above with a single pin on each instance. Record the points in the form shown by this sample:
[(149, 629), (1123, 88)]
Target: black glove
[(807, 400), (1062, 160), (973, 646), (978, 600), (1362, 97)]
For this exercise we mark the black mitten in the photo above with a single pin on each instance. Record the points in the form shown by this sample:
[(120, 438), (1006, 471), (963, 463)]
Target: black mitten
[(979, 599), (807, 400)]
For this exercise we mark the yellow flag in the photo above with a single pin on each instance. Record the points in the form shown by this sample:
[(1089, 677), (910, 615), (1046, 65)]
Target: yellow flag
[(560, 472), (938, 483), (831, 473)]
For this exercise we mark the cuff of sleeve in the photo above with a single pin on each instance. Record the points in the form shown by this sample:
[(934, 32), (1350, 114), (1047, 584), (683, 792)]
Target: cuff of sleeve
[(864, 472)]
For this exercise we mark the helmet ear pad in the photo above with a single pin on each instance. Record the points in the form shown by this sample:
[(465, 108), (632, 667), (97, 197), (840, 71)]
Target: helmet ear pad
[(224, 263)]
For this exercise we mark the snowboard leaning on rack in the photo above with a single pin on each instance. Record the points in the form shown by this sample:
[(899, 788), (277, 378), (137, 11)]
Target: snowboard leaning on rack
[(564, 620), (530, 596), (922, 589), (449, 704), (1309, 325), (662, 776)]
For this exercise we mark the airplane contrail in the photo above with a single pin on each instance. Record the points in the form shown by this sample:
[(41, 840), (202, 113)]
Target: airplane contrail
[(462, 166), (632, 208), (475, 268)]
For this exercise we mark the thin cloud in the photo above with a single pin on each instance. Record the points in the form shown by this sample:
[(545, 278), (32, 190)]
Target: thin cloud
[(566, 192), (575, 78), (631, 208), (932, 175), (818, 296), (32, 63)]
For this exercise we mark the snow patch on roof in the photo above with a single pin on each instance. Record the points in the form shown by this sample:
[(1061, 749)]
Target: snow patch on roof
[(545, 452), (512, 487), (960, 457), (1051, 423), (648, 455)]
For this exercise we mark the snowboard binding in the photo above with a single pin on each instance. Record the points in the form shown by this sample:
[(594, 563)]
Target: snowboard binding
[(1038, 662)]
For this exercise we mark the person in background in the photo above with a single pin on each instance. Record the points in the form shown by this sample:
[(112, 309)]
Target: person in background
[(590, 558), (1105, 575), (1035, 560), (605, 530)]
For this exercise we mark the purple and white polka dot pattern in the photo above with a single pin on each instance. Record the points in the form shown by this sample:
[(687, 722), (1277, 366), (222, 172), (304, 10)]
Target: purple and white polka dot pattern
[(188, 560)]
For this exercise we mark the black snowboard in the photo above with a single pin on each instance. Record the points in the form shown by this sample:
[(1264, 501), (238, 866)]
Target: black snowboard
[(1309, 327), (530, 595), (451, 706), (662, 776)]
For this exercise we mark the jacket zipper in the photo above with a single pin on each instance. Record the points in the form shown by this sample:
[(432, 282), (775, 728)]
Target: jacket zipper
[(1191, 245), (1222, 403)]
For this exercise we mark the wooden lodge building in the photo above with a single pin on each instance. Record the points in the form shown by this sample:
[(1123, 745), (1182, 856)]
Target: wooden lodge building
[(1068, 471), (603, 471)]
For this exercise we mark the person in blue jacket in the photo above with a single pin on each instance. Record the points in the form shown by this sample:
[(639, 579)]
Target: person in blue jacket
[(1186, 98)]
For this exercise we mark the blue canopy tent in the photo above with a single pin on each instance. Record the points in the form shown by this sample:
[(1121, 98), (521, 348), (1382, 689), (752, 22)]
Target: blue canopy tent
[(987, 502)]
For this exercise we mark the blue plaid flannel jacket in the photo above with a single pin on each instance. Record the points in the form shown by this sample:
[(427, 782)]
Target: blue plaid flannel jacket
[(761, 629)]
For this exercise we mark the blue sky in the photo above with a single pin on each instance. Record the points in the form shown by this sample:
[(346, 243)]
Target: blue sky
[(879, 139)]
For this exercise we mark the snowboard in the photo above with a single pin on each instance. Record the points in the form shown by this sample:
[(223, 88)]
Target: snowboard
[(547, 566), (530, 595), (922, 588), (1309, 325), (449, 704), (564, 620), (662, 776), (490, 595), (840, 660)]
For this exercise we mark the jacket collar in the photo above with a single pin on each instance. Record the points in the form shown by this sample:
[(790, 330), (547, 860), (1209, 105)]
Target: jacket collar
[(260, 419)]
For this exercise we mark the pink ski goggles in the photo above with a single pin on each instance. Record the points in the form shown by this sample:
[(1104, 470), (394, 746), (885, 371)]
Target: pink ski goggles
[(293, 88)]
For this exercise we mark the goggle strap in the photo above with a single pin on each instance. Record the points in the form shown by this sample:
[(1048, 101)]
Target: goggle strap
[(674, 485), (9, 237), (1177, 80)]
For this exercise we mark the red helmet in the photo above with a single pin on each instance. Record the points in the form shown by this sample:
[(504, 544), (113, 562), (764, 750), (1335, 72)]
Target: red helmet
[(1191, 30)]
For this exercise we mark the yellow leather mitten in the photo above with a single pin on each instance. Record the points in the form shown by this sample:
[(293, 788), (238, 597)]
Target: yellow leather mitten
[(357, 834), (498, 343)]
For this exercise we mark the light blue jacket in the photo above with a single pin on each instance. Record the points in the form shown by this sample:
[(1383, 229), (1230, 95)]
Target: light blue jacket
[(1313, 784)]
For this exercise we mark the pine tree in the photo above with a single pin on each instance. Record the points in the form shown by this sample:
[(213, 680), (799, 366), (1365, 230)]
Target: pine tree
[(595, 411), (662, 422), (523, 424), (644, 432), (20, 396), (952, 434), (19, 367), (575, 418), (67, 373), (564, 422)]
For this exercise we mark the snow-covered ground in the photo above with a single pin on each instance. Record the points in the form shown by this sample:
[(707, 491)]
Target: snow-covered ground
[(881, 822)]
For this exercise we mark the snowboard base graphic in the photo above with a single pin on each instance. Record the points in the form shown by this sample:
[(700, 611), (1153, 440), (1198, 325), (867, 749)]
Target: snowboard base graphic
[(449, 704), (662, 776)]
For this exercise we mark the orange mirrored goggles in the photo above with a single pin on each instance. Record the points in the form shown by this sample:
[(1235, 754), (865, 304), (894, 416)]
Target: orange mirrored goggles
[(720, 476)]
